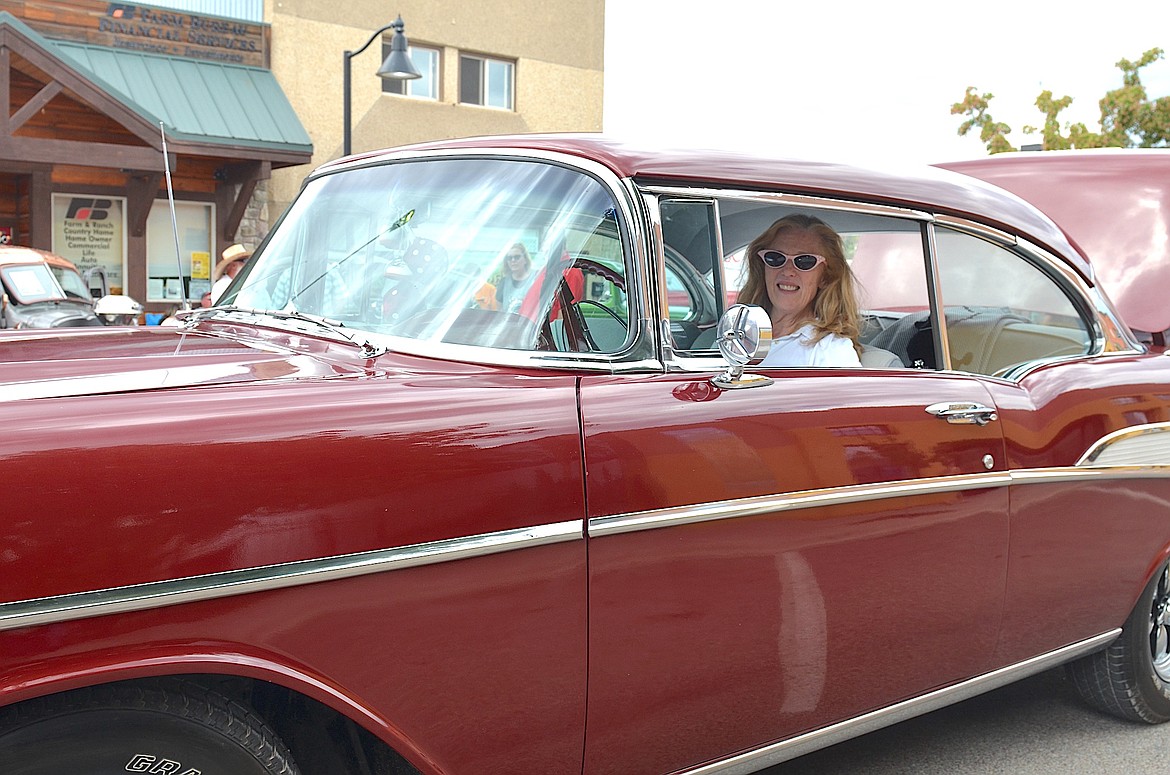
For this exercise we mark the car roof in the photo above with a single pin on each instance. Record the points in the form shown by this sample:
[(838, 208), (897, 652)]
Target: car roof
[(924, 187), (1113, 203), (19, 254)]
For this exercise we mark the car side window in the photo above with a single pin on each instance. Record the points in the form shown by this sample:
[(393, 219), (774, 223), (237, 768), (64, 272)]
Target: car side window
[(1002, 310), (886, 255), (690, 254)]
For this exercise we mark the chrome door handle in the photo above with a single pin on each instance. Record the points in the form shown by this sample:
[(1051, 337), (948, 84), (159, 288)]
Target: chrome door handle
[(963, 412)]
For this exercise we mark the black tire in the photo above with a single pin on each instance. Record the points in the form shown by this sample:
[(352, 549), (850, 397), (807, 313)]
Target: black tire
[(1131, 678), (168, 726)]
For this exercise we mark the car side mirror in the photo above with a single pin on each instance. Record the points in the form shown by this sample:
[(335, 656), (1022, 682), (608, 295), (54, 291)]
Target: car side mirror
[(743, 336)]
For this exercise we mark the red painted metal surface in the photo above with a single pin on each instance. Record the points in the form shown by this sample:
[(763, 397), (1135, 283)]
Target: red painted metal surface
[(283, 458), (729, 634), (408, 654), (1081, 550)]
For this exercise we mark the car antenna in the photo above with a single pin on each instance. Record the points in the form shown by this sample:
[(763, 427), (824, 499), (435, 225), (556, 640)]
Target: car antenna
[(174, 221)]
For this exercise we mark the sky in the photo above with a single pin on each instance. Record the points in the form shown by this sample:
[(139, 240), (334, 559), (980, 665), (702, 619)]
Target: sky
[(862, 81)]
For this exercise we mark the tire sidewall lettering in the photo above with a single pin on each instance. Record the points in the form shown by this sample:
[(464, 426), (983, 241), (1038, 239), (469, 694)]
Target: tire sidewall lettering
[(144, 762)]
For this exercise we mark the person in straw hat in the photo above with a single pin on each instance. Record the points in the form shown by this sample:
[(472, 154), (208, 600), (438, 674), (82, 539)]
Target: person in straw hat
[(231, 261)]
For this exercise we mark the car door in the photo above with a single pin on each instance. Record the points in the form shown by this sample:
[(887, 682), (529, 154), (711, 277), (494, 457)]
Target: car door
[(774, 559), (1085, 423)]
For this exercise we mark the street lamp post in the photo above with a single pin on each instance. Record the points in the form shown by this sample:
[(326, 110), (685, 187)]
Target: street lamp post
[(397, 67)]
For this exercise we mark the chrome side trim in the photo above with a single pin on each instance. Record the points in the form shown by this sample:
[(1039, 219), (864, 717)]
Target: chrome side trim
[(767, 504), (1140, 445), (752, 761), (157, 594), (1061, 475)]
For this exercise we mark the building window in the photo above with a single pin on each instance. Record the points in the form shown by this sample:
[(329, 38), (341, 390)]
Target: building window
[(426, 61), (484, 81), (168, 275)]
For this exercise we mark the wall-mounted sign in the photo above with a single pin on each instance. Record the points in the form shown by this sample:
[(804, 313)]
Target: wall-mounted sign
[(90, 231), (146, 28)]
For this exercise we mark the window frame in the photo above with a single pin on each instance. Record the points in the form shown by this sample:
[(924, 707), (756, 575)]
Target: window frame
[(408, 87), (483, 83), (197, 256), (1063, 277)]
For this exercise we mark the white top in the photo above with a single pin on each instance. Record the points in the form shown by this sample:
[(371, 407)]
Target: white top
[(798, 349), (219, 287)]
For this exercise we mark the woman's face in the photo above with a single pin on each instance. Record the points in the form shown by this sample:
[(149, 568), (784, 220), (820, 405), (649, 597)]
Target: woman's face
[(516, 262), (791, 290)]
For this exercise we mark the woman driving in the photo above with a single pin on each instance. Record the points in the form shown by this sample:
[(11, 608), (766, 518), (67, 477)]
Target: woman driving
[(797, 272)]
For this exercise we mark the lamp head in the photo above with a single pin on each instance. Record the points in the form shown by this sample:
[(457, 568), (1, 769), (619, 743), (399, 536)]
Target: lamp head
[(398, 66)]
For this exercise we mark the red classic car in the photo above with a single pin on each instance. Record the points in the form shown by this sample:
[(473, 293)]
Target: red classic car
[(359, 518)]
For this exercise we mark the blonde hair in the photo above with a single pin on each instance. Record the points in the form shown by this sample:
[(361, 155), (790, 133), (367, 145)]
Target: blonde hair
[(835, 307), (524, 250)]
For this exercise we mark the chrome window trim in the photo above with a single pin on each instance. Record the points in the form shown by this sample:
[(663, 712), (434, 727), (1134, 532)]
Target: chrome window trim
[(787, 199), (755, 760), (1115, 339), (689, 361), (159, 594), (640, 354), (935, 298)]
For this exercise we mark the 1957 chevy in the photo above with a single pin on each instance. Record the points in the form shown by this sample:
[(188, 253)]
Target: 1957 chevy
[(357, 518)]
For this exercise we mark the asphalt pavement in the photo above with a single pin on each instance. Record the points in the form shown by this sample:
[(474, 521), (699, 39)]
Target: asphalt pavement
[(1035, 727)]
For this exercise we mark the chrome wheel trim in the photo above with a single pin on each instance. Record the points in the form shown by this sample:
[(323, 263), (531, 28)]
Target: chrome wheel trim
[(1160, 627)]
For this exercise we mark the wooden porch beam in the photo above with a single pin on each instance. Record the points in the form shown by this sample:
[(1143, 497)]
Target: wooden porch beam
[(29, 109), (232, 204), (44, 151), (141, 191), (5, 88), (41, 210)]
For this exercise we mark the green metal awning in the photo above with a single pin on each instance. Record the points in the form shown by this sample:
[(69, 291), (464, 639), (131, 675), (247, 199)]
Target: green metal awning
[(196, 100), (199, 102)]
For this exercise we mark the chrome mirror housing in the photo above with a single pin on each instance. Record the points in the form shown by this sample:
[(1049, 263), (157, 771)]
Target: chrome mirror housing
[(743, 336)]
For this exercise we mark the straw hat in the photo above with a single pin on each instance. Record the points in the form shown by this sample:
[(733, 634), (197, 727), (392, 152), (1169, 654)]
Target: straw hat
[(230, 255)]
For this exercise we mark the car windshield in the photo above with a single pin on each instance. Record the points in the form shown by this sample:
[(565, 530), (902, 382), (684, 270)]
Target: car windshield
[(31, 283), (72, 283), (466, 251)]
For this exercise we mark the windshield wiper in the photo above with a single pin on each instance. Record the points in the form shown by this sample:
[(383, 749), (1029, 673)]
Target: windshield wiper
[(367, 348)]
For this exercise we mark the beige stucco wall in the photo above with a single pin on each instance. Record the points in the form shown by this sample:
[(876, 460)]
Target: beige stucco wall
[(557, 45)]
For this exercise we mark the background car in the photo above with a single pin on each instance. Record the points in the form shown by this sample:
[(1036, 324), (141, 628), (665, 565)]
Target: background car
[(43, 290)]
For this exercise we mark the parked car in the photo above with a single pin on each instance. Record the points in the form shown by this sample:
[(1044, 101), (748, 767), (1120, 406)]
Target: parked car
[(354, 519), (39, 289), (42, 290)]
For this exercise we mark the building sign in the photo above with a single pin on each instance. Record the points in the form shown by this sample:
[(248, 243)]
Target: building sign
[(145, 28), (90, 231)]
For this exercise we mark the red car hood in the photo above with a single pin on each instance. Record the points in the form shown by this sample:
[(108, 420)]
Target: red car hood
[(1114, 205), (118, 360)]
